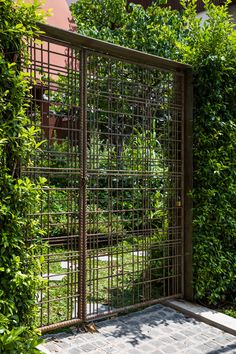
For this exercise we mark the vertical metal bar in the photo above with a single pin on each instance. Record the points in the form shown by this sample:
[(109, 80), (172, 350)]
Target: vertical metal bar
[(182, 222), (82, 195), (188, 184)]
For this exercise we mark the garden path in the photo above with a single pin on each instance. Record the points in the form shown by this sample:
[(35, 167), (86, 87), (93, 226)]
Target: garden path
[(156, 329)]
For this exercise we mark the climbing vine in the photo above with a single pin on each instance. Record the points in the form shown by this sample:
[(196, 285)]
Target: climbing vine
[(19, 269)]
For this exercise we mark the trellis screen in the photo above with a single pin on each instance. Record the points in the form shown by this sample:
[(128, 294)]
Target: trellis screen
[(113, 122)]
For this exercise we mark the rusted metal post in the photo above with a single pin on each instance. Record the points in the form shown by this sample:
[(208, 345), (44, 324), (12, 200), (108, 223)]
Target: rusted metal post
[(82, 196), (188, 185)]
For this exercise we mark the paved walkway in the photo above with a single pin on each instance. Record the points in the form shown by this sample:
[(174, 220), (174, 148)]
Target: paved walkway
[(157, 329)]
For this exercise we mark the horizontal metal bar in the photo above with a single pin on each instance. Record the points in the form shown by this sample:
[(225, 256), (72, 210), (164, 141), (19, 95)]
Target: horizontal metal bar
[(131, 307), (63, 324), (117, 51)]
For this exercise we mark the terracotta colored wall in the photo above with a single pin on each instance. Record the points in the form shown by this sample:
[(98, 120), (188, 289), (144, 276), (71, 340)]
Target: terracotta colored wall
[(61, 17), (57, 57), (61, 13)]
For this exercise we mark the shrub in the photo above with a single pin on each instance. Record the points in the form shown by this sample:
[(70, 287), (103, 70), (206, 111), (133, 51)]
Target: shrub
[(210, 47), (19, 268), (213, 56), (57, 203)]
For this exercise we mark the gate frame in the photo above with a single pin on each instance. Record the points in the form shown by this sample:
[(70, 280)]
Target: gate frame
[(188, 184), (87, 44)]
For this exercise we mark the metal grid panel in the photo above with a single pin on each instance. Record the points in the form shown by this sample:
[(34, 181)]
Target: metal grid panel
[(112, 209), (135, 185), (54, 110)]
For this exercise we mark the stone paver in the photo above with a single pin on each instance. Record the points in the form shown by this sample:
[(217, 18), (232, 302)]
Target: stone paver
[(92, 308), (107, 258), (139, 253), (54, 277), (157, 329)]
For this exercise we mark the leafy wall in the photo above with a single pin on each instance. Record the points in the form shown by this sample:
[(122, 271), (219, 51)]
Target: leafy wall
[(19, 269), (210, 48)]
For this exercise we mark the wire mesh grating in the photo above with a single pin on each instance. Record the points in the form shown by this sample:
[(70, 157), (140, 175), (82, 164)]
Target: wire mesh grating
[(134, 188), (113, 157)]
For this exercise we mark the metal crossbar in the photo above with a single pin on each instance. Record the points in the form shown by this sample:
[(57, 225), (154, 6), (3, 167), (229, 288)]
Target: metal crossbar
[(116, 125)]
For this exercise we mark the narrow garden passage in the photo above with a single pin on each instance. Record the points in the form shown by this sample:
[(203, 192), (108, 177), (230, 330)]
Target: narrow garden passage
[(157, 329)]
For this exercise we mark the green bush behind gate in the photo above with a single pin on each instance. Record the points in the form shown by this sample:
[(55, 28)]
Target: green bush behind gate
[(210, 47), (19, 269)]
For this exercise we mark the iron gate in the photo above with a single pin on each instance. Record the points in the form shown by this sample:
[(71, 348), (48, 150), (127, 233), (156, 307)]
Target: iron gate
[(116, 126)]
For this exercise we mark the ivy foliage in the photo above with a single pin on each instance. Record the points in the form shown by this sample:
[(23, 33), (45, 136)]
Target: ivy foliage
[(210, 47), (19, 268), (212, 51)]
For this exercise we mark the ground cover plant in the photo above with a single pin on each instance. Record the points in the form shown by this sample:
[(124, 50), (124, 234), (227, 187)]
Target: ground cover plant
[(19, 269), (64, 264), (210, 47)]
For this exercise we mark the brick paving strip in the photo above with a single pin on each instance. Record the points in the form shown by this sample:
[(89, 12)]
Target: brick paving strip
[(156, 329)]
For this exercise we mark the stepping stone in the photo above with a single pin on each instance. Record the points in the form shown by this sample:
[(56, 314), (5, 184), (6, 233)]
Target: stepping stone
[(92, 308), (40, 296), (106, 258), (65, 264), (54, 277), (140, 253)]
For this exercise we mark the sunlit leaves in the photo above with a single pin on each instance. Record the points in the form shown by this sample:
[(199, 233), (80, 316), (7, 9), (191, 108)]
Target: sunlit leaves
[(18, 195), (210, 47)]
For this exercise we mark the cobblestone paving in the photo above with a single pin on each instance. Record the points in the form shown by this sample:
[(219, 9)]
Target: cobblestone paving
[(157, 329)]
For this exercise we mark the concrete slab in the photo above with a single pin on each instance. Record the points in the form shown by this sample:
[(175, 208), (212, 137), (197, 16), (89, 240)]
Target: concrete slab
[(140, 253), (68, 265), (96, 308), (92, 308), (54, 277), (39, 297), (211, 317), (65, 265), (106, 259)]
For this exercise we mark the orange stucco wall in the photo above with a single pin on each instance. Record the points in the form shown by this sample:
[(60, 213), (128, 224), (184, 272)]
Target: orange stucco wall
[(60, 13), (52, 60), (60, 17)]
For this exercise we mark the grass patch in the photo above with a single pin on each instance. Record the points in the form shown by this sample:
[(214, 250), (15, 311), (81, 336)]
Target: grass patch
[(230, 311), (115, 279)]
